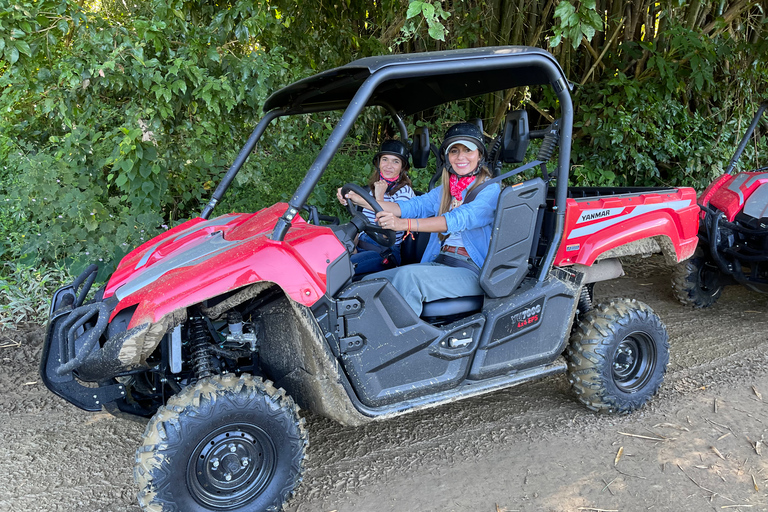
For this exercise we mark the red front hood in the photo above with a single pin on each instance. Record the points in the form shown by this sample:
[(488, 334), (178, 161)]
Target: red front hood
[(201, 259), (729, 193)]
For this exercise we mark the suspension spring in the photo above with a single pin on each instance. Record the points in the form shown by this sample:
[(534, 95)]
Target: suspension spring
[(585, 299), (547, 147), (200, 348)]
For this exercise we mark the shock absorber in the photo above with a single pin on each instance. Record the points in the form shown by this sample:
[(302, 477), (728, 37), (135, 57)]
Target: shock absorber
[(547, 148), (200, 348), (585, 299)]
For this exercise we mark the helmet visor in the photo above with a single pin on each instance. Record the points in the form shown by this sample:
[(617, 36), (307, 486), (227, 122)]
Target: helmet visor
[(464, 142)]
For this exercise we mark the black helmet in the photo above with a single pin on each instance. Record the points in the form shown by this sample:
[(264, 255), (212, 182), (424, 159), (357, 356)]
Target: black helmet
[(467, 134), (395, 148)]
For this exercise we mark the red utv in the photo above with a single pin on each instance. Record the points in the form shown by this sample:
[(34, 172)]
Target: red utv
[(220, 328), (733, 234)]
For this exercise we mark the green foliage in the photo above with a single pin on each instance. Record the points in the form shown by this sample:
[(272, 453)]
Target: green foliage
[(279, 177), (430, 12), (576, 22), (117, 123), (25, 293), (114, 130), (690, 63), (677, 123), (645, 141)]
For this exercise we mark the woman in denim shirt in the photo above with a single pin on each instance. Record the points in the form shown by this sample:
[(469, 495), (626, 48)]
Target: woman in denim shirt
[(461, 232)]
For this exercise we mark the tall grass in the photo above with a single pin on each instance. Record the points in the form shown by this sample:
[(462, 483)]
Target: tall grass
[(25, 293)]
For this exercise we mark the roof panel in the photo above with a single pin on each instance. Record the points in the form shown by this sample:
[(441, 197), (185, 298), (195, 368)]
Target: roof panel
[(436, 78)]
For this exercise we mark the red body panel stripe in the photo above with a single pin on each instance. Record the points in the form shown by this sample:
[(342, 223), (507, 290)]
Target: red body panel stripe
[(729, 193), (173, 272)]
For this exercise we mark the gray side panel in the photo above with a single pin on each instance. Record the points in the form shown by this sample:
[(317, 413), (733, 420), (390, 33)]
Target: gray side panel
[(339, 272), (397, 356), (529, 330), (757, 204)]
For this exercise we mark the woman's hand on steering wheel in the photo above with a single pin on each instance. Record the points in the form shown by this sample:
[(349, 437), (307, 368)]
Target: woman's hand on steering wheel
[(340, 197), (388, 220), (355, 194)]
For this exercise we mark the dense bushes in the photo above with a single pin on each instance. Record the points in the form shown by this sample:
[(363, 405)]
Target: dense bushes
[(114, 129), (626, 137), (117, 123)]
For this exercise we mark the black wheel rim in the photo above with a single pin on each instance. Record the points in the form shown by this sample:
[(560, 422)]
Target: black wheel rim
[(709, 279), (634, 362), (231, 466)]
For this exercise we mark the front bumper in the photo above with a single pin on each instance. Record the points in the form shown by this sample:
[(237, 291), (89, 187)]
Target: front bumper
[(72, 352)]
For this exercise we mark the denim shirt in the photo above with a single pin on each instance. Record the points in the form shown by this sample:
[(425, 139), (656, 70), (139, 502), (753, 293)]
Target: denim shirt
[(473, 220)]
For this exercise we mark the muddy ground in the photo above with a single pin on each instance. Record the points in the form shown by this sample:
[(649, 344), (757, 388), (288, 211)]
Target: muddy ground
[(699, 445)]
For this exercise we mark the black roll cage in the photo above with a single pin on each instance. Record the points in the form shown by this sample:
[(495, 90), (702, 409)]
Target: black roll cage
[(745, 138), (354, 87)]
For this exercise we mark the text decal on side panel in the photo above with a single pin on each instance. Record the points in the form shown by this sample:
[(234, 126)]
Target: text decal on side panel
[(626, 214), (595, 225)]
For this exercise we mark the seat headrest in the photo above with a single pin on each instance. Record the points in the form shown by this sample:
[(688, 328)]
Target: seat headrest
[(420, 147), (516, 137)]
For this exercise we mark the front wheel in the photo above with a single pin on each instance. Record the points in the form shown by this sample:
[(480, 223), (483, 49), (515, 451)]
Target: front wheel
[(618, 355), (226, 443), (697, 281)]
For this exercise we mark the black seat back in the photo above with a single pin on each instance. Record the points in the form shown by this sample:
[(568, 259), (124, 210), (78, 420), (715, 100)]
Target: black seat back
[(513, 236), (412, 248)]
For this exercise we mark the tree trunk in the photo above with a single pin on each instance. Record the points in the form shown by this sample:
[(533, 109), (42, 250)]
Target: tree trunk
[(692, 14)]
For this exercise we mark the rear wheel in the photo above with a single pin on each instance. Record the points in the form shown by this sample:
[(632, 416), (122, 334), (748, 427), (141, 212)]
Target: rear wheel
[(617, 356), (697, 281), (226, 443)]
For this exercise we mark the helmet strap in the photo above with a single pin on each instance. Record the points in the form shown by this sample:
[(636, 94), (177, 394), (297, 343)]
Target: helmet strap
[(392, 181)]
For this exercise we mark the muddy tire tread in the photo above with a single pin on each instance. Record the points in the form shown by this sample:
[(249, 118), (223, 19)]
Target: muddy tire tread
[(148, 466), (590, 348), (686, 286)]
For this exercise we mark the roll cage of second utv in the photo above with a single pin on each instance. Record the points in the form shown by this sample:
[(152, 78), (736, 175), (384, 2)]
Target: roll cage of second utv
[(220, 328)]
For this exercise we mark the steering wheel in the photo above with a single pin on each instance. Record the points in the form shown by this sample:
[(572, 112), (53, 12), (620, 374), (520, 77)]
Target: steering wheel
[(381, 236)]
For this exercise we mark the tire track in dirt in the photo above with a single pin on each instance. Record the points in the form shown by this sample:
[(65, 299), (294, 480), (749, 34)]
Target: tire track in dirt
[(533, 447)]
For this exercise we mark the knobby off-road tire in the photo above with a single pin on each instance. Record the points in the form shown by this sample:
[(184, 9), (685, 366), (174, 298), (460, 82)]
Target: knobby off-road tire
[(226, 443), (696, 281), (617, 356)]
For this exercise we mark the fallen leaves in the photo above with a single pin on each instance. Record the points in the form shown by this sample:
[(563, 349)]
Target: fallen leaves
[(618, 455)]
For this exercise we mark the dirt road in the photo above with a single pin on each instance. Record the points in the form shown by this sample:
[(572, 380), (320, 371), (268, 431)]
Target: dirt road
[(698, 446)]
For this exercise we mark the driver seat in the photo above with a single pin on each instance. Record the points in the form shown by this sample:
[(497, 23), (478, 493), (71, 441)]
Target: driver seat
[(446, 310), (513, 244)]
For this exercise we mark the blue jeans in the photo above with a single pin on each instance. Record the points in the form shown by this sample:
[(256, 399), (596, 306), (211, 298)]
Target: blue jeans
[(367, 261), (425, 282)]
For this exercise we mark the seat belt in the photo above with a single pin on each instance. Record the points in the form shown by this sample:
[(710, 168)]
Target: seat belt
[(472, 194)]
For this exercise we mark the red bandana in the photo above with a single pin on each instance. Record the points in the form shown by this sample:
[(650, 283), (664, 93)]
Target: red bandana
[(459, 184), (392, 181)]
